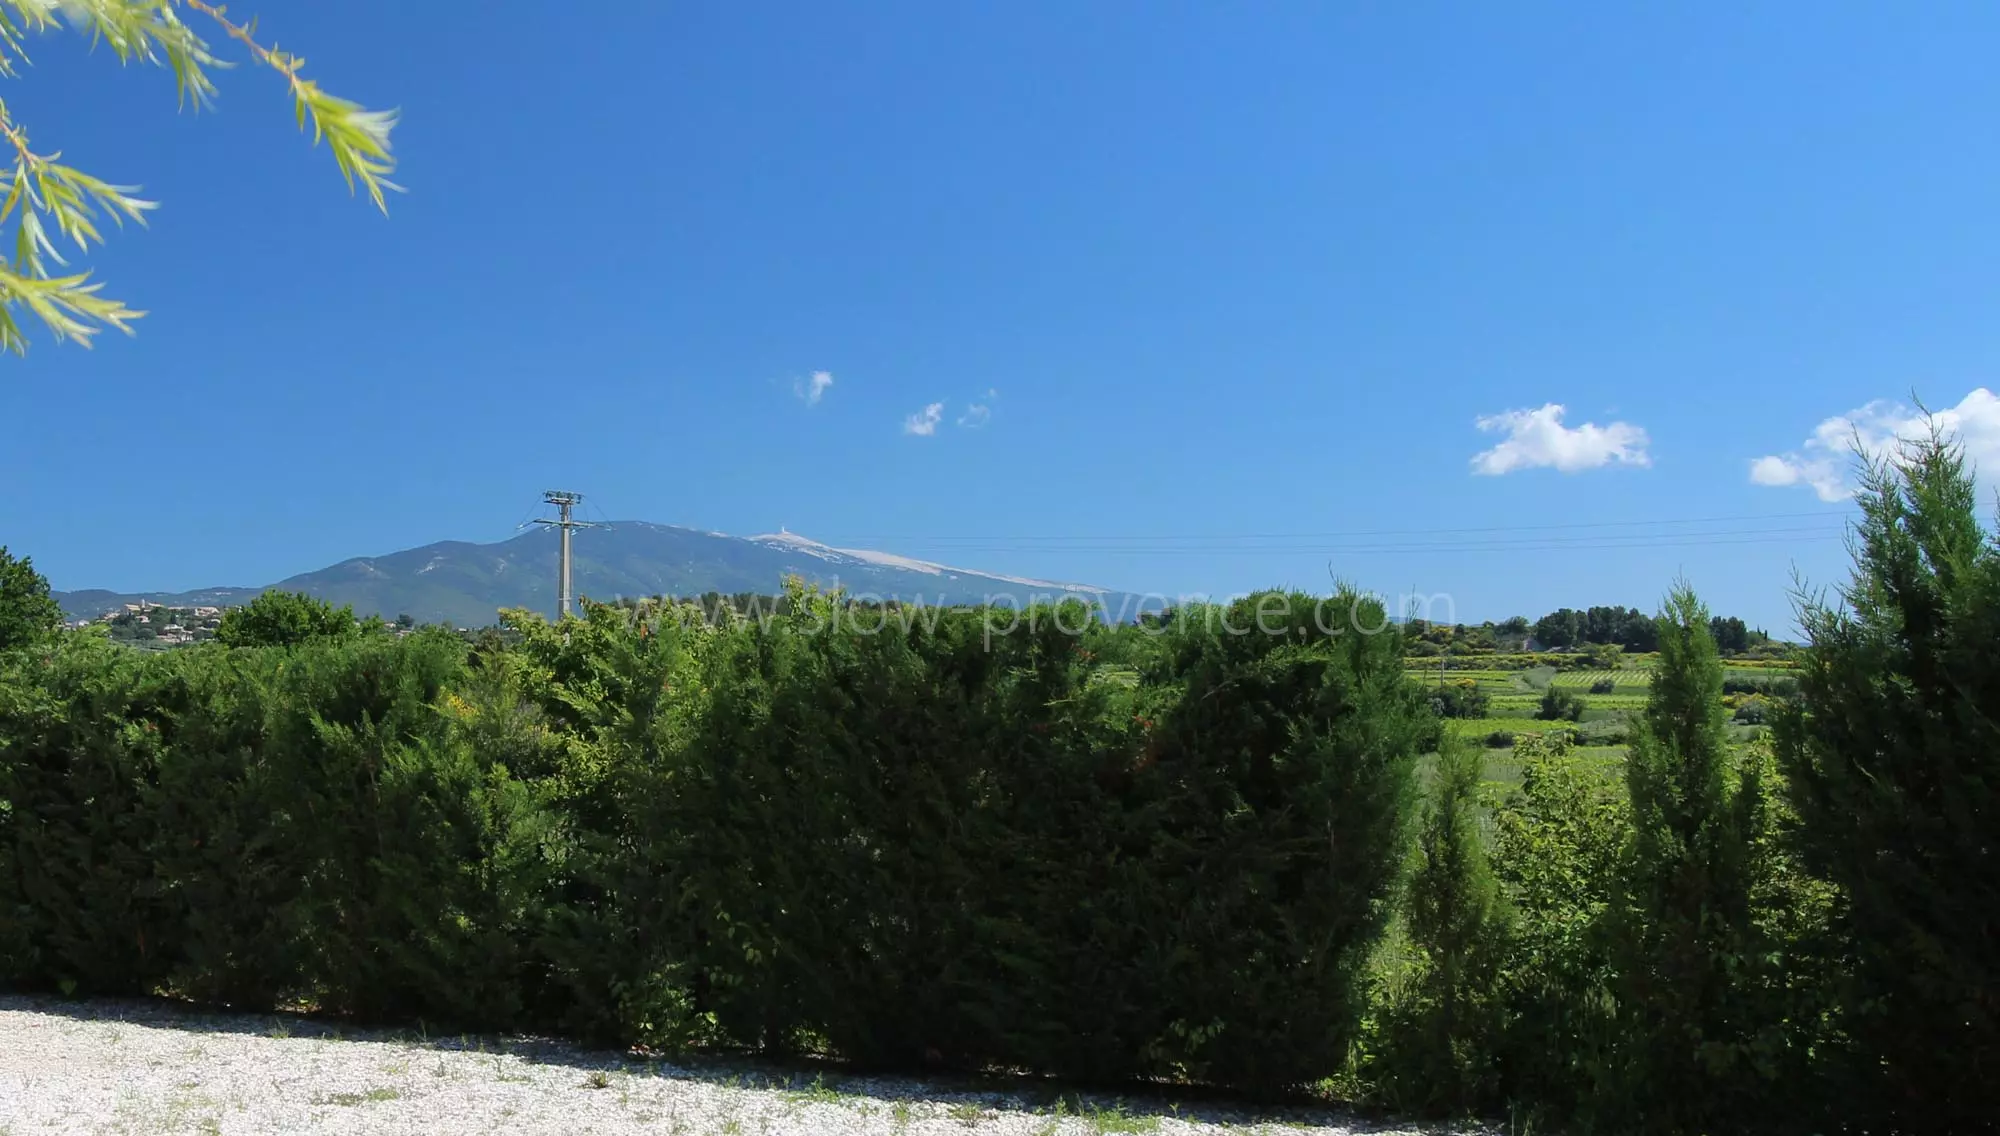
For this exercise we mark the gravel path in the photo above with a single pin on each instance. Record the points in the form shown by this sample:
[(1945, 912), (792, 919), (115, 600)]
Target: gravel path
[(155, 1067)]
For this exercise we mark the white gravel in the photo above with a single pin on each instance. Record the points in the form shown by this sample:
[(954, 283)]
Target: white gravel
[(110, 1066)]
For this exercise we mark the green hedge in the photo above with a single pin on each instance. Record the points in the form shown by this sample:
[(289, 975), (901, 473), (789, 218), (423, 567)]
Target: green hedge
[(1089, 851)]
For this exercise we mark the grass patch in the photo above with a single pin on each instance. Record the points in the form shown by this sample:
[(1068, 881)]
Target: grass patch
[(349, 1100), (819, 1092), (1116, 1119)]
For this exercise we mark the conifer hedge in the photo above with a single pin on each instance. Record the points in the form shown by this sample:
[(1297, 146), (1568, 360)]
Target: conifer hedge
[(1091, 851)]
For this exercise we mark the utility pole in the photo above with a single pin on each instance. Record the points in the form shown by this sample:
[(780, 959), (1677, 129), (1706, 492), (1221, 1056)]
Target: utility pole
[(563, 500)]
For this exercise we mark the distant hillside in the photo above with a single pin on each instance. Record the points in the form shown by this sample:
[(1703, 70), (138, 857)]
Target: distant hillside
[(92, 602), (466, 584)]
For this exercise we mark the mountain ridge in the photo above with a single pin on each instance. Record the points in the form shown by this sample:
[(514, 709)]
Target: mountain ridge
[(466, 583)]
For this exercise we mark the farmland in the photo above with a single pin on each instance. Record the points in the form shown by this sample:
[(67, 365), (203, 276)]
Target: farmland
[(1612, 699)]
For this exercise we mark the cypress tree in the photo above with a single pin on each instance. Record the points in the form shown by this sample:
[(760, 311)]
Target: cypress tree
[(1892, 754), (1441, 1038), (1684, 915)]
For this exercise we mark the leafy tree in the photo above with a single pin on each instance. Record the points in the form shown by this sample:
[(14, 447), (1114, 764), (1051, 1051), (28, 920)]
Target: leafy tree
[(48, 196), (27, 612), (1639, 633), (1562, 628), (1732, 635), (285, 619), (1892, 754)]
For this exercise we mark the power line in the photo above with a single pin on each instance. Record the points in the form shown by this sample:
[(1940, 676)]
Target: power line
[(1000, 540), (1529, 542)]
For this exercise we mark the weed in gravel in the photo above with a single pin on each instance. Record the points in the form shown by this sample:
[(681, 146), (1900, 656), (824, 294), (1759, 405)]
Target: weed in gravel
[(899, 1113), (348, 1100), (598, 1079), (1116, 1120), (966, 1112), (819, 1092)]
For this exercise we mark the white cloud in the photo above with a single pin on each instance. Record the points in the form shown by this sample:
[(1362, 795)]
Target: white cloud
[(1825, 461), (1538, 439), (924, 422), (975, 416), (1774, 470), (811, 390)]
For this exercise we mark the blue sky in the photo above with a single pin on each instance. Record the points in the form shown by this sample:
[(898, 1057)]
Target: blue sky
[(1236, 286)]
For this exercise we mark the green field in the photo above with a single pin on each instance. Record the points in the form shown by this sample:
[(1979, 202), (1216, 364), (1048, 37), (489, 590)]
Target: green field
[(1636, 678), (1477, 728), (1513, 696)]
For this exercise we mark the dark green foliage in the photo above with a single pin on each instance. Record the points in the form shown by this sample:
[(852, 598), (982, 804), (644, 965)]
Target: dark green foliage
[(27, 613), (1604, 686), (1499, 739), (1731, 635), (1560, 704), (253, 825), (1688, 949), (1562, 628), (79, 906), (284, 619), (1775, 687), (1893, 759), (913, 836), (1624, 627)]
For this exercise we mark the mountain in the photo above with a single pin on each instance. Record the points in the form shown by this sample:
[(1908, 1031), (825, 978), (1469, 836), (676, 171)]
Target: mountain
[(465, 584)]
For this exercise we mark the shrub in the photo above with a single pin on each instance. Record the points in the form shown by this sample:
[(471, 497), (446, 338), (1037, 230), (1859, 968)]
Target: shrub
[(1778, 686), (1557, 839), (1604, 686), (1499, 739), (249, 826), (28, 613), (1560, 704), (284, 619), (1097, 852), (1460, 699)]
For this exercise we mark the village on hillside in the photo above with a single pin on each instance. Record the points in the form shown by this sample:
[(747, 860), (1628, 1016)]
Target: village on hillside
[(155, 624)]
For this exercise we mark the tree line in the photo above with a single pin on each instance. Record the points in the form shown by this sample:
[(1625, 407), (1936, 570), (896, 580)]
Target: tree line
[(1566, 628), (1242, 860)]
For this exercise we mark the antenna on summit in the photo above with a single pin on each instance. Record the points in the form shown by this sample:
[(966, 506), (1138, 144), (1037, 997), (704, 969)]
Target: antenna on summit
[(564, 501)]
